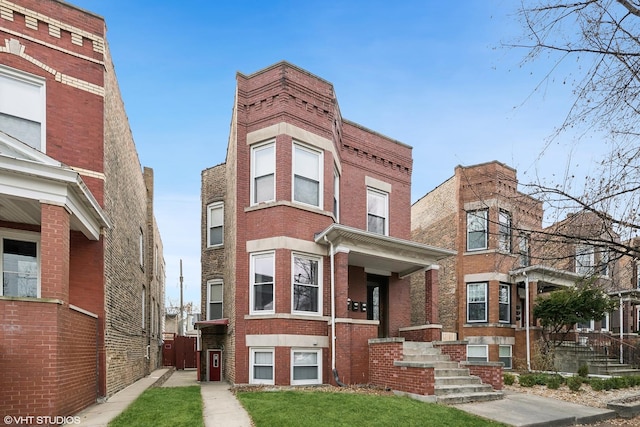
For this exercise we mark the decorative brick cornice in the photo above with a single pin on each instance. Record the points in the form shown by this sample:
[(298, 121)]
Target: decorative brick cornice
[(13, 46)]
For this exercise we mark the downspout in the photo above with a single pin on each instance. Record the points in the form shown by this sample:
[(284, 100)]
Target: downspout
[(526, 323), (621, 327), (333, 315)]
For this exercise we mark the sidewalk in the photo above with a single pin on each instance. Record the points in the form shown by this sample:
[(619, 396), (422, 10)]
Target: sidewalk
[(220, 406)]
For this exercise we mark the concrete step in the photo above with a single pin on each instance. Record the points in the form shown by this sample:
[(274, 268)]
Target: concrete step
[(624, 372), (461, 380), (442, 390), (450, 372), (426, 357), (436, 364), (455, 399)]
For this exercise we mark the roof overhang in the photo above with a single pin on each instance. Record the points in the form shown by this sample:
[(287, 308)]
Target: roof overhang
[(202, 324), (630, 295), (29, 178), (547, 277), (379, 253)]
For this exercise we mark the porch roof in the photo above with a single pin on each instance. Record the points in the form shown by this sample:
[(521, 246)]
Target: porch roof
[(209, 323), (29, 177), (380, 253), (547, 277), (630, 295)]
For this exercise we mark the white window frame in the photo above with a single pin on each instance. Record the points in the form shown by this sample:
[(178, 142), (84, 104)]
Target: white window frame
[(504, 231), (502, 358), (523, 250), (603, 262), (336, 194), (254, 149), (583, 252), (252, 283), (210, 283), (507, 303), (484, 217), (385, 195), (298, 146), (318, 284), (40, 83), (141, 248), (210, 209), (478, 347), (607, 321), (24, 236), (318, 365), (591, 327), (486, 299), (252, 364)]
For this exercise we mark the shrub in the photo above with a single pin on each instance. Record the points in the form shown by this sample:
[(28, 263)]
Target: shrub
[(554, 382), (597, 384), (574, 383), (527, 380), (583, 371), (509, 379)]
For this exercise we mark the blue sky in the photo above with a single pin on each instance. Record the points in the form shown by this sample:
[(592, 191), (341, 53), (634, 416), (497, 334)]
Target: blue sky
[(431, 74)]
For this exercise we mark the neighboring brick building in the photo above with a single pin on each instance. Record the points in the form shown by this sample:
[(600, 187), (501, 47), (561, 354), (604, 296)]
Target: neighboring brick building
[(502, 251), (83, 272), (305, 239)]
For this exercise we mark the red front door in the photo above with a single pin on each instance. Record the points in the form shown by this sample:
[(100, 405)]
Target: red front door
[(215, 365)]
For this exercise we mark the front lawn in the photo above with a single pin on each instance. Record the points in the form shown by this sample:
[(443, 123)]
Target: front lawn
[(164, 407), (316, 408)]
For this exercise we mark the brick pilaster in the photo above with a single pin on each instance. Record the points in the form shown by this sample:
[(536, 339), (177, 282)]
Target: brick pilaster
[(431, 296), (54, 252)]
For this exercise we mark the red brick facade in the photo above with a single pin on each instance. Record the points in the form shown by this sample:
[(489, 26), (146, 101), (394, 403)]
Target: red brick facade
[(74, 299), (362, 280)]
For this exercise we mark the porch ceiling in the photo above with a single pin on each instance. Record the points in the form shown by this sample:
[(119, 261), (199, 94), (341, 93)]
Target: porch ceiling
[(381, 253)]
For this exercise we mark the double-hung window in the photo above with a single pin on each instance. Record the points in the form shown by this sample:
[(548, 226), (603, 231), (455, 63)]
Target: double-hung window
[(336, 195), (143, 307), (215, 223), (262, 282), (504, 300), (477, 230), (306, 284), (604, 262), (261, 366), (477, 353), (504, 355), (584, 260), (377, 211), (306, 367), (214, 308), (263, 171), (523, 250), (307, 175), (141, 247), (504, 231), (19, 265), (22, 107), (477, 302)]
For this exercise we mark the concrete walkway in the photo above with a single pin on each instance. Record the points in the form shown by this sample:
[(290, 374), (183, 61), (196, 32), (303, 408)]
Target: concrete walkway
[(527, 410), (220, 406)]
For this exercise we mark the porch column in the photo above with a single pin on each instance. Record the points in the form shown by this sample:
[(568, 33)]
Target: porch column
[(431, 285), (342, 341), (54, 252)]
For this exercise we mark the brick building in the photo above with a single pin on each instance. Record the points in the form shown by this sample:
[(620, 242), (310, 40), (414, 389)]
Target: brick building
[(305, 239), (83, 272), (505, 259)]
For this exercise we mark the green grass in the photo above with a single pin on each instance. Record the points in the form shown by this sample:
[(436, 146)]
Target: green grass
[(163, 407), (309, 409)]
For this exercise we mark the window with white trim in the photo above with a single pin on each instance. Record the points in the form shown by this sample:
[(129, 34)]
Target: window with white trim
[(523, 250), (214, 298), (605, 322), (263, 171), (261, 366), (307, 175), (262, 282), (143, 299), (504, 355), (477, 230), (477, 353), (306, 366), (141, 248), (377, 211), (336, 195), (20, 265), (584, 259), (504, 302), (22, 107), (477, 302), (215, 224), (504, 231), (153, 316), (604, 261), (307, 291)]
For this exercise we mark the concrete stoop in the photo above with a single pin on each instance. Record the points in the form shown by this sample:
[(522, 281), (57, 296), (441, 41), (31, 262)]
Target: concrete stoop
[(453, 384), (599, 364)]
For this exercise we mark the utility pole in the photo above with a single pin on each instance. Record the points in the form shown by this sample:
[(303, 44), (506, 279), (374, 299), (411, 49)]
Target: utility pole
[(181, 319)]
